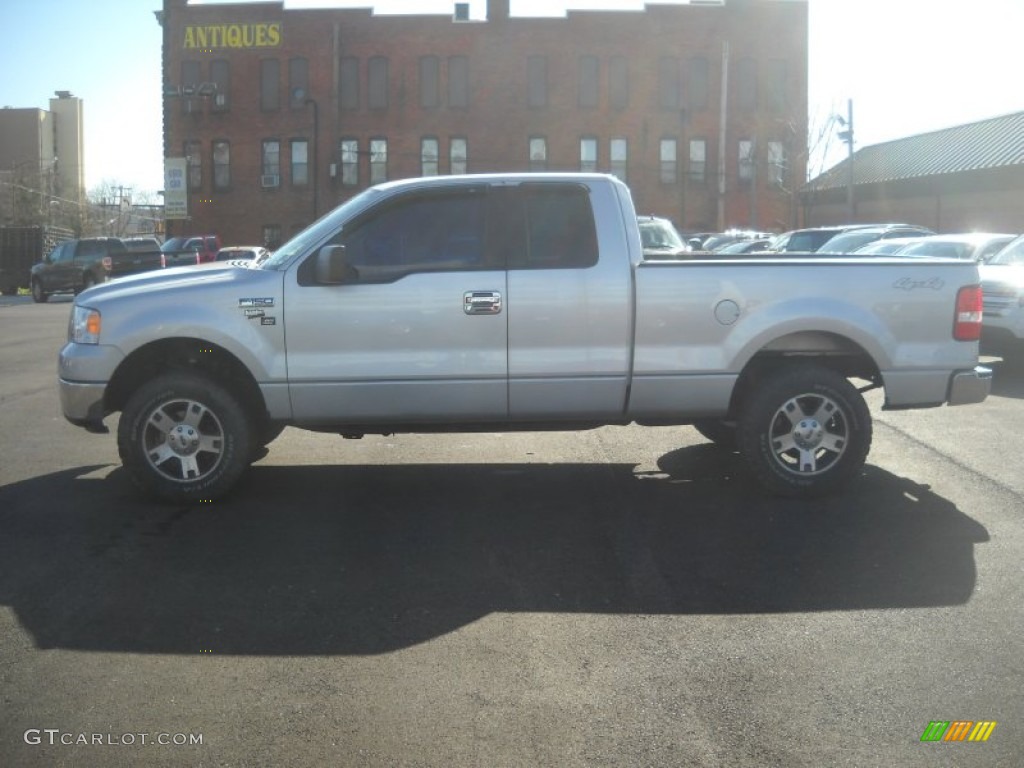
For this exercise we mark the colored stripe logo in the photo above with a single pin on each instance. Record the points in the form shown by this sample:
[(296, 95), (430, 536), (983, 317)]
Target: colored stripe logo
[(959, 730)]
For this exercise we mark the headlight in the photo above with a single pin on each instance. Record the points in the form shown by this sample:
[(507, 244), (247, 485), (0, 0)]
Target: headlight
[(84, 327)]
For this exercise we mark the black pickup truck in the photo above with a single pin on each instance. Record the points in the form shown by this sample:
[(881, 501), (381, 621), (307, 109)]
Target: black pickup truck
[(75, 265)]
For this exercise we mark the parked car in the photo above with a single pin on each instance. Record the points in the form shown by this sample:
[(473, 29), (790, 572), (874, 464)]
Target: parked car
[(141, 243), (848, 242), (807, 240), (1002, 285), (76, 265), (744, 246), (255, 253), (971, 246), (660, 238), (888, 247), (719, 240), (196, 249)]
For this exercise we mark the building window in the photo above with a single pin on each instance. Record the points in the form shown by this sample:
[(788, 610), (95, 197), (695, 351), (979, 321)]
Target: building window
[(746, 84), (698, 171), (697, 82), (458, 81), (378, 160), (669, 166), (300, 162), (348, 83), (298, 82), (221, 165), (538, 153), (588, 154), (745, 159), (271, 165), (190, 78), (220, 76), (619, 150), (668, 82), (270, 84), (194, 160), (430, 82), (458, 155), (777, 77), (536, 82), (429, 153), (349, 152), (776, 163), (589, 85), (618, 82), (377, 83)]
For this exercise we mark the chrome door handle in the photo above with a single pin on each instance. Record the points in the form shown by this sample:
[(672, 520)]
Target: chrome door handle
[(481, 302)]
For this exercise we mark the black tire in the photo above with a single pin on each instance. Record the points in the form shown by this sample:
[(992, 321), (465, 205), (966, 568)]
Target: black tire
[(39, 296), (184, 438), (721, 433), (805, 431), (88, 281)]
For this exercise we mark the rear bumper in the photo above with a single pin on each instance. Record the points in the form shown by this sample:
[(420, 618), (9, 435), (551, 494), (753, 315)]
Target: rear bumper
[(966, 387)]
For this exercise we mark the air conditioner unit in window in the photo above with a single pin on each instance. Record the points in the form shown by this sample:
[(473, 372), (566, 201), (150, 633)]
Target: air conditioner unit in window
[(220, 99), (270, 180)]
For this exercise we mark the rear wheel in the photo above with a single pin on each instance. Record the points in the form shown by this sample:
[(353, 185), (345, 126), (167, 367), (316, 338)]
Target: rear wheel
[(184, 438), (39, 296), (805, 431)]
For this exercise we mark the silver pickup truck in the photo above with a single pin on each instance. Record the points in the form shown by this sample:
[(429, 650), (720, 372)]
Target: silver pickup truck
[(513, 302)]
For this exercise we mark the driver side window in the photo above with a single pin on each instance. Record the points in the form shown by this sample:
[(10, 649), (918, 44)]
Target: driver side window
[(422, 233)]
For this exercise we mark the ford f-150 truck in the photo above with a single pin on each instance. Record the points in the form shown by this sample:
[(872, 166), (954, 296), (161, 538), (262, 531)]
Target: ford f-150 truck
[(512, 302)]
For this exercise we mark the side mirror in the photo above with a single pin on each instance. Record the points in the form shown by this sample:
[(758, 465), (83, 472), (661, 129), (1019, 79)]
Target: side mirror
[(332, 267)]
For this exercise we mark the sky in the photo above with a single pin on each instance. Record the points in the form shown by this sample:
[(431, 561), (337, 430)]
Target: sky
[(910, 66)]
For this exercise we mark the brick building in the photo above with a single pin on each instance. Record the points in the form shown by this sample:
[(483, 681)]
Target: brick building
[(278, 114)]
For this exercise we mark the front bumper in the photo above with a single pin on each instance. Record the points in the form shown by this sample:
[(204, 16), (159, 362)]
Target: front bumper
[(966, 387), (83, 371)]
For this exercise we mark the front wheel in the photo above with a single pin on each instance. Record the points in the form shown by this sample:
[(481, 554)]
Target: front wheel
[(805, 431), (39, 296), (184, 438)]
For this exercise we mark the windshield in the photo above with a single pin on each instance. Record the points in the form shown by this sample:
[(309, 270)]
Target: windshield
[(659, 234), (848, 243), (944, 248), (1011, 254), (174, 244), (319, 231)]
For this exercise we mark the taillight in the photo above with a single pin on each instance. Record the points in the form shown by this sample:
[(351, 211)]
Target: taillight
[(969, 303), (108, 263), (163, 261)]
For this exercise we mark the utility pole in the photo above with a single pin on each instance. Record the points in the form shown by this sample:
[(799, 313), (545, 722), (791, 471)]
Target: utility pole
[(847, 136)]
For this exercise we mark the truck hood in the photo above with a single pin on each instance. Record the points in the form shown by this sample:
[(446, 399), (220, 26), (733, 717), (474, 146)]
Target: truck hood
[(195, 280)]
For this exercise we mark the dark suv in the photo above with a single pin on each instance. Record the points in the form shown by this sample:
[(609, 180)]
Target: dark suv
[(74, 265)]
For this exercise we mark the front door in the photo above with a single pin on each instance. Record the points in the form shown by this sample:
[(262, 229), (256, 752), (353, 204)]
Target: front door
[(418, 333)]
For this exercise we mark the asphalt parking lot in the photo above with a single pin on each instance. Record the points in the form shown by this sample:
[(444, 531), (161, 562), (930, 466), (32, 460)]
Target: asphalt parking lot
[(620, 597)]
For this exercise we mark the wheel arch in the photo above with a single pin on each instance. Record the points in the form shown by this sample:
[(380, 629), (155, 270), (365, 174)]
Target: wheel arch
[(185, 354), (828, 349)]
